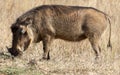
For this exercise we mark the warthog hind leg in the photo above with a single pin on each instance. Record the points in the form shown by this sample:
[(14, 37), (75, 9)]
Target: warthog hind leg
[(95, 45)]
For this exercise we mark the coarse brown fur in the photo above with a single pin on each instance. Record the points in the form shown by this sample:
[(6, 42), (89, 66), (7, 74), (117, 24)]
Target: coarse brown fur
[(49, 22)]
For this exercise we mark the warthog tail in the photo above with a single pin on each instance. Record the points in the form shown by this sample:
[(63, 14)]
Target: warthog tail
[(109, 42)]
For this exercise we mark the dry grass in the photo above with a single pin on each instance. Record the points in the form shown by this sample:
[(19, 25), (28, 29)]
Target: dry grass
[(66, 58)]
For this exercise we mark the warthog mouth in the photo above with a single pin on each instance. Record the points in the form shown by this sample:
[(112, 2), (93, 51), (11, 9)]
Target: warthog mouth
[(14, 52)]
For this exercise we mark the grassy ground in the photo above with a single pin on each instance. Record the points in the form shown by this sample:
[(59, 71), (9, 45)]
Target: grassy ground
[(67, 58)]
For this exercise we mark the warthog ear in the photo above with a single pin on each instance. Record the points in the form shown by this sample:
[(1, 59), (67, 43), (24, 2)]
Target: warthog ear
[(14, 28), (28, 21)]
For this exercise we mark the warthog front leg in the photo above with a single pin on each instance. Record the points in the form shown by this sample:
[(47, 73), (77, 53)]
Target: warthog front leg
[(46, 47)]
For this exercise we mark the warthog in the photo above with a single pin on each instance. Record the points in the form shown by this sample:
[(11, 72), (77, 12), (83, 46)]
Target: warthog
[(49, 22)]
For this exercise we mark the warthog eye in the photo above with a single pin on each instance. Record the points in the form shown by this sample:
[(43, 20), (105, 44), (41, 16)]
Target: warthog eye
[(23, 32)]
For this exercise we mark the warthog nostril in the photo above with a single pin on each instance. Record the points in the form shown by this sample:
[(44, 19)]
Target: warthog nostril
[(14, 52)]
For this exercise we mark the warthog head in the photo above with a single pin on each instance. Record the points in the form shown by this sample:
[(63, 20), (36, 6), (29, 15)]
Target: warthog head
[(22, 36)]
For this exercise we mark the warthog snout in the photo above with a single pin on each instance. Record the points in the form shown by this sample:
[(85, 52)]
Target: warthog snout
[(14, 52)]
